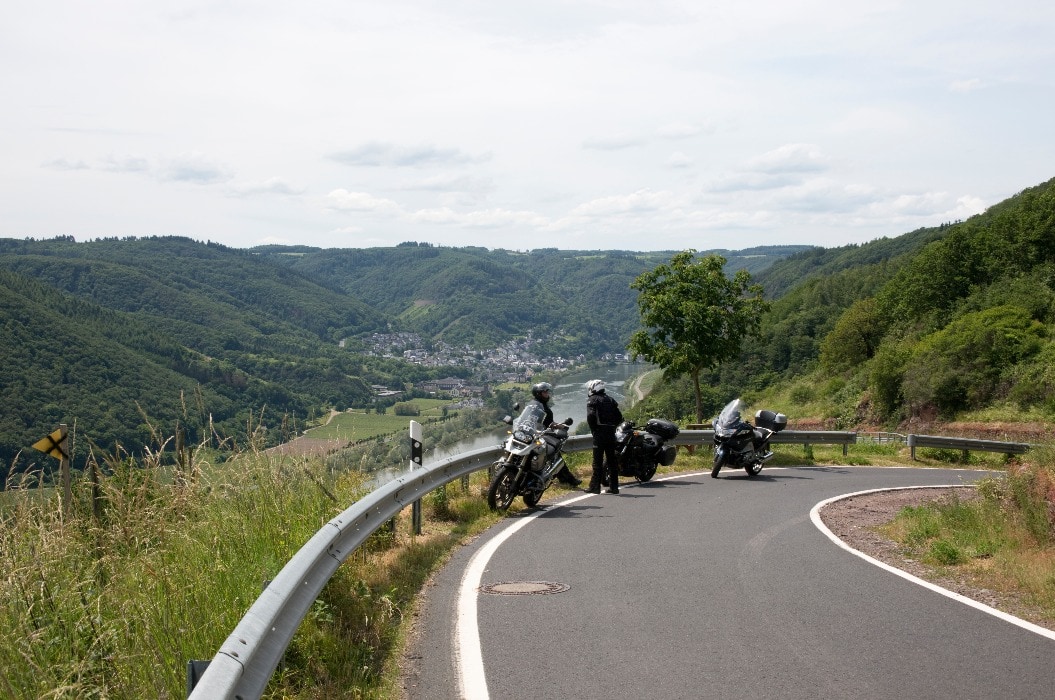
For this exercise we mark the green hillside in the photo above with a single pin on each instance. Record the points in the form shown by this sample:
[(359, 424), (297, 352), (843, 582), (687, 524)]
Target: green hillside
[(580, 301), (936, 325)]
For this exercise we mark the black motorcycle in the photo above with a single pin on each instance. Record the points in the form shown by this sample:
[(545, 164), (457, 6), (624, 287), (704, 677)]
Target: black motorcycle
[(641, 451), (737, 443)]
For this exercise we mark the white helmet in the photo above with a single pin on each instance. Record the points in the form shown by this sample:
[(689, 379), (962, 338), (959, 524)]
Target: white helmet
[(594, 386)]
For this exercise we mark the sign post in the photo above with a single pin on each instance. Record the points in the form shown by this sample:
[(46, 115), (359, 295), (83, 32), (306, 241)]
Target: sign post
[(57, 445), (415, 463)]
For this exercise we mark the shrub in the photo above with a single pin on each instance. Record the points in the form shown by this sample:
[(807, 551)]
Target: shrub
[(946, 553)]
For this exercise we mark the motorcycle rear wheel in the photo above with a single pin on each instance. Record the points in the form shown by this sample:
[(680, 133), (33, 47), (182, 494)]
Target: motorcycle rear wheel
[(753, 469), (646, 473), (532, 498), (503, 489)]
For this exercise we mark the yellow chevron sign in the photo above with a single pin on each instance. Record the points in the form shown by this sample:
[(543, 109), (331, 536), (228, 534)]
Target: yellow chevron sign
[(55, 444)]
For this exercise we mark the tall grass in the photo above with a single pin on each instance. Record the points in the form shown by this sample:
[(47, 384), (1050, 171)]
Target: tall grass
[(156, 560), (113, 598)]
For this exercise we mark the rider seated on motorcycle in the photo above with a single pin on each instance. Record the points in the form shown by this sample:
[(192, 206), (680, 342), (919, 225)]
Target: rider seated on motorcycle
[(541, 393)]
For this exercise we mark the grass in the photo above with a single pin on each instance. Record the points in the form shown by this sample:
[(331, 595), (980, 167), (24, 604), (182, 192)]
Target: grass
[(352, 426)]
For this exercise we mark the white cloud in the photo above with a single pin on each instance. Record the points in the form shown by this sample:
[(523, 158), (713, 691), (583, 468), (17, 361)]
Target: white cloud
[(126, 164), (391, 155), (678, 160), (966, 85), (790, 158), (679, 131), (343, 200), (195, 168), (640, 202), (611, 143), (66, 164), (272, 185)]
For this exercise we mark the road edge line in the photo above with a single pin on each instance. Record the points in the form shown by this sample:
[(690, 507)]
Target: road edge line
[(1007, 617)]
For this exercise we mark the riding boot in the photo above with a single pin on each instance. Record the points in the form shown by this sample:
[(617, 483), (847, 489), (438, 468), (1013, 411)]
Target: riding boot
[(566, 477), (613, 476)]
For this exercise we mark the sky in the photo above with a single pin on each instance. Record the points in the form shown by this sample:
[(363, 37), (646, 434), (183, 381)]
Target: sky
[(516, 124)]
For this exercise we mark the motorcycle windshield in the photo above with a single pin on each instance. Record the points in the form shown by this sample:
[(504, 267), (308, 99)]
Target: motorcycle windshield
[(530, 418), (730, 415)]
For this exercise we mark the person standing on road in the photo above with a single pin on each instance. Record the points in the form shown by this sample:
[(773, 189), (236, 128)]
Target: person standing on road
[(603, 415)]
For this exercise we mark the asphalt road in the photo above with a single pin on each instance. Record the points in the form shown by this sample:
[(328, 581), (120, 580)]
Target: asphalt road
[(699, 588)]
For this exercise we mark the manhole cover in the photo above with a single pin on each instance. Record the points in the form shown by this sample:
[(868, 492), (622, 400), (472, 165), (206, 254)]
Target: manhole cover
[(523, 588)]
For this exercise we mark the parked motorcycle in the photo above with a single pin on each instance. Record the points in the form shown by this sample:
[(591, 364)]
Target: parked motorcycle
[(737, 443), (641, 451), (531, 458)]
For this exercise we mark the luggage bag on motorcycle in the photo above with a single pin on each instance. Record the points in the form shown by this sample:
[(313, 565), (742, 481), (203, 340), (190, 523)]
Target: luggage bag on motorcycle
[(667, 455), (770, 420), (664, 428)]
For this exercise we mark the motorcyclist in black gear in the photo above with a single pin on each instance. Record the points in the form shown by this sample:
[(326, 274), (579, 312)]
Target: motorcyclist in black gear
[(541, 393), (603, 415)]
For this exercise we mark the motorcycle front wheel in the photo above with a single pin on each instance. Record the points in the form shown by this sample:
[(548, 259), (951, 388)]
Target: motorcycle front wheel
[(719, 458), (503, 489)]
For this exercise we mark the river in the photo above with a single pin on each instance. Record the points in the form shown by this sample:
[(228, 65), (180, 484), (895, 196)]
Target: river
[(569, 401)]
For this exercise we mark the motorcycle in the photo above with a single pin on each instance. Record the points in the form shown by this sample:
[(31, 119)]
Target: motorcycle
[(531, 458), (737, 443), (641, 451)]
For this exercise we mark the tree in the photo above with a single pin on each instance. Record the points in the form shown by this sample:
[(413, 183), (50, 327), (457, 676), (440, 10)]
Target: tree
[(855, 338), (694, 317)]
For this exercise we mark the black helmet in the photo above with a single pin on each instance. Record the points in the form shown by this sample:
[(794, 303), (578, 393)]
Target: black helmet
[(537, 389)]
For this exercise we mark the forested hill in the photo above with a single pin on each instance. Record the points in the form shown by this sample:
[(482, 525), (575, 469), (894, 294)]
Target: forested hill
[(937, 325), (205, 296), (124, 335), (580, 301)]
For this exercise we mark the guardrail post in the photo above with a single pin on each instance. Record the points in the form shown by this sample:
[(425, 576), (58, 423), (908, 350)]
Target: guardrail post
[(415, 462), (195, 668), (912, 446)]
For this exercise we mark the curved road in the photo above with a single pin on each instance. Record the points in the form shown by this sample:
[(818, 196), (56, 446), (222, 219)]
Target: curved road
[(692, 587)]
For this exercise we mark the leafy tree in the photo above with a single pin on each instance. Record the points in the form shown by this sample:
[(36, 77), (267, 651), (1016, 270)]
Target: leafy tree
[(885, 374), (855, 338), (694, 316)]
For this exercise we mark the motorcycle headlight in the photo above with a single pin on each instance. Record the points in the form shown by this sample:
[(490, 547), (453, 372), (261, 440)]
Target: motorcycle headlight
[(523, 436)]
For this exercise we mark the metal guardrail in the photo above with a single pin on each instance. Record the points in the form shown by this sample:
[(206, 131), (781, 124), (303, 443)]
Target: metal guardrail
[(787, 437), (247, 659), (245, 662), (965, 444)]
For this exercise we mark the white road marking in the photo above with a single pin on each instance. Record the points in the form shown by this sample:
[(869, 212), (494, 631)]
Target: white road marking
[(816, 518)]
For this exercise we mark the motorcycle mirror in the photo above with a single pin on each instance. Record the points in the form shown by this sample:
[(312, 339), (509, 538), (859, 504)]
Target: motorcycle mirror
[(507, 420), (569, 421), (516, 406)]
